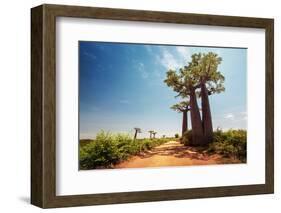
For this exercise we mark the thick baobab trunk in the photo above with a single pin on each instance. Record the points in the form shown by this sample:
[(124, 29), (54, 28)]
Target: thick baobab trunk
[(206, 115), (197, 129), (184, 122)]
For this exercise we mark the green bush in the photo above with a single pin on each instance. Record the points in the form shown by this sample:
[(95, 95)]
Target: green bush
[(101, 152), (84, 142), (109, 149), (186, 138), (232, 143), (177, 135)]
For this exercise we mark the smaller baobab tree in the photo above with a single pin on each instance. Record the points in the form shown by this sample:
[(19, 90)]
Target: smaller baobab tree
[(137, 130), (183, 107), (150, 133), (154, 133), (164, 136)]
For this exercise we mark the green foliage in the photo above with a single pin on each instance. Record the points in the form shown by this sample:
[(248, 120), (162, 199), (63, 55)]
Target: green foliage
[(181, 107), (108, 149), (202, 68), (84, 142), (187, 137), (102, 151), (232, 143), (177, 135)]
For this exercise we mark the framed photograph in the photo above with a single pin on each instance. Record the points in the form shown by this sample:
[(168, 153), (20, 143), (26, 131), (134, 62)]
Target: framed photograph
[(137, 106)]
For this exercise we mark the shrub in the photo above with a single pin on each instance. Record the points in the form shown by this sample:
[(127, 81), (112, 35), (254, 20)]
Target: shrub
[(186, 138), (109, 149), (101, 152), (84, 142), (177, 135), (232, 143)]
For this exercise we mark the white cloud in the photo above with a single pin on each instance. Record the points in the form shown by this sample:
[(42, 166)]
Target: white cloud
[(229, 116), (244, 115), (184, 53), (168, 60), (234, 120), (141, 70), (173, 58), (231, 120)]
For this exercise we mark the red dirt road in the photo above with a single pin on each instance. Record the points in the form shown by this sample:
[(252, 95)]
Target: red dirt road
[(173, 153)]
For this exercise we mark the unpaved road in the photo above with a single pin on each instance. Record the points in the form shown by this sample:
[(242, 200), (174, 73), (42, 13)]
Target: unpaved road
[(173, 153)]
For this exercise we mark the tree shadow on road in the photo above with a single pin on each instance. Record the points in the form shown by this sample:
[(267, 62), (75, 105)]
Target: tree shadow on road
[(177, 150)]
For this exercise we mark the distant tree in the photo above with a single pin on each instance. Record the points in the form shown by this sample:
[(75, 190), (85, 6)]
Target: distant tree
[(183, 107), (137, 130), (150, 133), (177, 135), (164, 136), (154, 133)]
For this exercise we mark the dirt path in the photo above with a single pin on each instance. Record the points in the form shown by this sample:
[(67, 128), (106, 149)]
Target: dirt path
[(173, 153)]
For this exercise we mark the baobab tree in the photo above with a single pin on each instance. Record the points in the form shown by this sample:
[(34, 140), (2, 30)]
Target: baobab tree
[(183, 107), (137, 130), (185, 84), (211, 81), (200, 78), (154, 133), (150, 133)]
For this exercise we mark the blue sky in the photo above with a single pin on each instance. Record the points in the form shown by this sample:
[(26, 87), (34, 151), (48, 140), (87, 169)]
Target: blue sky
[(121, 87)]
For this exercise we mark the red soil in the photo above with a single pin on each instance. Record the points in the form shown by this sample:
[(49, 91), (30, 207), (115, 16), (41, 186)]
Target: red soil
[(173, 153)]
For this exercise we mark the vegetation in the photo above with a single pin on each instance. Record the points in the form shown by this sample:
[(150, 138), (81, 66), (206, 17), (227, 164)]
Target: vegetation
[(186, 138), (85, 142), (109, 149), (231, 143)]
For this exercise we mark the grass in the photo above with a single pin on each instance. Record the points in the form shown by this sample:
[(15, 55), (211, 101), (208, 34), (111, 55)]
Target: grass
[(109, 149)]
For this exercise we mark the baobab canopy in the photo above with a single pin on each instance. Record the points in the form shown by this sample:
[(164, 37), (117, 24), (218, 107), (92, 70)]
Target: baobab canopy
[(181, 107)]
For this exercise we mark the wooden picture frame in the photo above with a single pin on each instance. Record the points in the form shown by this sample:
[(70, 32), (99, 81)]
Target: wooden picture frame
[(43, 105)]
